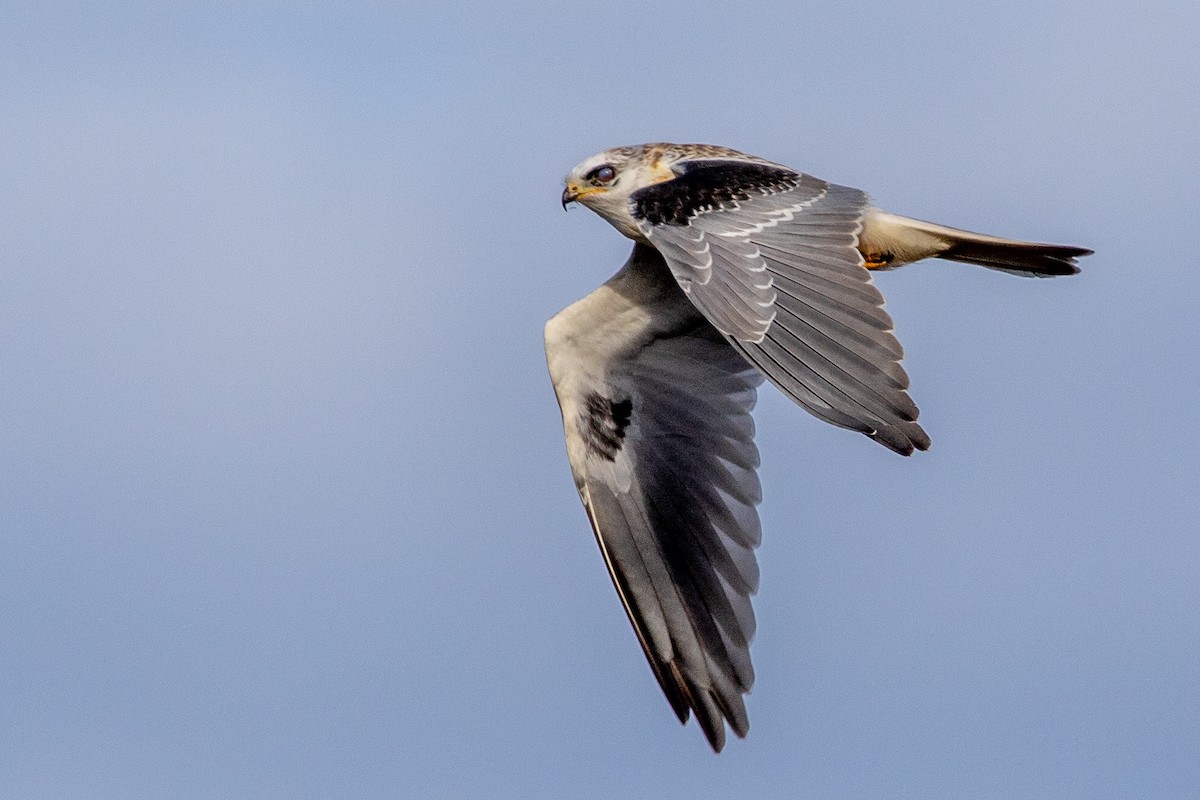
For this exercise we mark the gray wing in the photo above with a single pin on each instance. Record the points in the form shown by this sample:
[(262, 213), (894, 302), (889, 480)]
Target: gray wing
[(656, 409), (770, 257)]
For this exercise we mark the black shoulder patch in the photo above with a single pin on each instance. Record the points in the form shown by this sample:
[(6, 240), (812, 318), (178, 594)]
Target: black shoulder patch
[(603, 424), (708, 185)]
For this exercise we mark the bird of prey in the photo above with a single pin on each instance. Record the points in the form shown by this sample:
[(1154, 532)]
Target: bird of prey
[(742, 269)]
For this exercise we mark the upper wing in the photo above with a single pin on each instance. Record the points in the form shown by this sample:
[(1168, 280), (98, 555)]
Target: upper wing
[(656, 408), (770, 257)]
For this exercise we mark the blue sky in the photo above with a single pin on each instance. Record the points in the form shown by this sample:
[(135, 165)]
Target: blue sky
[(284, 504)]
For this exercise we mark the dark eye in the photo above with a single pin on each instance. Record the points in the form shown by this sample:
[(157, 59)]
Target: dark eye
[(602, 174)]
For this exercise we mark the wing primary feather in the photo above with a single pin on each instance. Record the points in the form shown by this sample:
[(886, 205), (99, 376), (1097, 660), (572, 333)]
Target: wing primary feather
[(876, 345), (895, 406), (668, 681), (861, 301), (843, 357), (689, 533), (797, 391)]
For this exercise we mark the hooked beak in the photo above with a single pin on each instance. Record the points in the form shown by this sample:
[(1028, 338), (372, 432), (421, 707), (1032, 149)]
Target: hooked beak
[(574, 192), (569, 195)]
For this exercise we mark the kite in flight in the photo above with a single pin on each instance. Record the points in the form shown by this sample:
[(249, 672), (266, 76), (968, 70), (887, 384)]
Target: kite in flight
[(742, 269)]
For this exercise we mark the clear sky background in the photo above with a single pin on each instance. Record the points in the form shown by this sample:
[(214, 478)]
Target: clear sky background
[(284, 505)]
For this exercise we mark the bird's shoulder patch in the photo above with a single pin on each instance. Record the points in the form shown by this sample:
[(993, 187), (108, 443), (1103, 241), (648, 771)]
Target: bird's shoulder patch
[(703, 186)]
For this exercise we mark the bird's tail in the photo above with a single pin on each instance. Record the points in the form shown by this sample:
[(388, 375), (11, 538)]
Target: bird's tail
[(915, 237)]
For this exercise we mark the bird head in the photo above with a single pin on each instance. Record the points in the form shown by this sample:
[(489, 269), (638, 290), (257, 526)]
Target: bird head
[(604, 182)]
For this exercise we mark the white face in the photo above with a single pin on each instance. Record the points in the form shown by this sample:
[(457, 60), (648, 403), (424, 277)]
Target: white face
[(605, 181)]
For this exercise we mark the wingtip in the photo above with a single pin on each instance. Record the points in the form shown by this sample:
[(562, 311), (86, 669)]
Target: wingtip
[(716, 735), (904, 439), (709, 717)]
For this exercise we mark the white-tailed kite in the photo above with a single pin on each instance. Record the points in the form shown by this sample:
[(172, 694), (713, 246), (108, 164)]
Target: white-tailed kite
[(741, 269)]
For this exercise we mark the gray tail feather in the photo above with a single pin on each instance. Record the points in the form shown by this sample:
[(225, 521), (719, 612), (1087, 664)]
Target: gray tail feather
[(1020, 258), (907, 240)]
